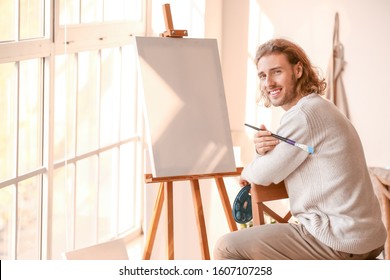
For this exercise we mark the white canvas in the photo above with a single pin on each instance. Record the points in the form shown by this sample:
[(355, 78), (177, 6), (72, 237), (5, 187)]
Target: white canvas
[(185, 106)]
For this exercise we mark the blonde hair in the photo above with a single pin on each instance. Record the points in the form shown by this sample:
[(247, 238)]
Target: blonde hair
[(309, 82)]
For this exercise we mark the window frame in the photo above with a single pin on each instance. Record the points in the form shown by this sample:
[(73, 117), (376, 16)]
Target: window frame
[(58, 40)]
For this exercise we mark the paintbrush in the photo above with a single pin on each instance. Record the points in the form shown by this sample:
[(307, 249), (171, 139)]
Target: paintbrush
[(306, 148)]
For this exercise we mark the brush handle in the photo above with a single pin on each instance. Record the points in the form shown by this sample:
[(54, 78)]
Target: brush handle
[(306, 148), (292, 142), (289, 141)]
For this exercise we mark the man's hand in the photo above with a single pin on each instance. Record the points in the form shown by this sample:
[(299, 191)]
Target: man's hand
[(243, 182), (263, 141)]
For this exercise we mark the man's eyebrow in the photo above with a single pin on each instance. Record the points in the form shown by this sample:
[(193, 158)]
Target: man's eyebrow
[(271, 69), (275, 68)]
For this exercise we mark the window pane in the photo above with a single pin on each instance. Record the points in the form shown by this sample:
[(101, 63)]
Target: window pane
[(28, 235), (122, 10), (31, 19), (8, 99), (110, 92), (63, 211), (114, 9), (65, 107), (128, 93), (7, 20), (86, 202), (6, 224), (108, 195), (88, 102), (127, 187), (133, 9), (69, 12), (91, 11), (30, 115)]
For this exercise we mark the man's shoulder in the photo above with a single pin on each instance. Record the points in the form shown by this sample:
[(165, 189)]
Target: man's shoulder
[(315, 103)]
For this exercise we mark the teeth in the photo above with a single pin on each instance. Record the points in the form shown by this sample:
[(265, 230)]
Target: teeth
[(274, 92)]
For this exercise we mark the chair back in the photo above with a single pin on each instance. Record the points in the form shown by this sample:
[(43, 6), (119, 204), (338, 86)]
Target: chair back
[(261, 194)]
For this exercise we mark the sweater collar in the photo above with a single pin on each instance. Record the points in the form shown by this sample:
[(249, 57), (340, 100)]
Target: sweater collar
[(303, 100)]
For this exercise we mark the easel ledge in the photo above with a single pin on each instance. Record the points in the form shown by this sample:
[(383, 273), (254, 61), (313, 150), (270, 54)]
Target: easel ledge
[(150, 179), (165, 193)]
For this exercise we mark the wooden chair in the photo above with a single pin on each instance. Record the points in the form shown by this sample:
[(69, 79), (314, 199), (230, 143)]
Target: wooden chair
[(261, 194), (380, 178)]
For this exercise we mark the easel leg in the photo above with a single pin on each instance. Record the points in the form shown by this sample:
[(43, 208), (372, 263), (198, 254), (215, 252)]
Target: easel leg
[(226, 203), (169, 200), (200, 219), (154, 223)]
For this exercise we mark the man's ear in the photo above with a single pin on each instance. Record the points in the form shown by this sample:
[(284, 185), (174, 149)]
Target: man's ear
[(298, 70)]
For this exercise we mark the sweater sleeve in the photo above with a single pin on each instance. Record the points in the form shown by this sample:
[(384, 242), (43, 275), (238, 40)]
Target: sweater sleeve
[(276, 165)]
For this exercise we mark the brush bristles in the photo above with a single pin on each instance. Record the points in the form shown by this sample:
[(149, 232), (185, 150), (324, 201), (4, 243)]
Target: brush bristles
[(305, 148)]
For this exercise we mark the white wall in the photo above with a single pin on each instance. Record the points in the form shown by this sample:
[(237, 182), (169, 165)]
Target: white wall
[(364, 33)]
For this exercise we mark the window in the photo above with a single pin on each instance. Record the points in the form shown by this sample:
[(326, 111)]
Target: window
[(71, 134)]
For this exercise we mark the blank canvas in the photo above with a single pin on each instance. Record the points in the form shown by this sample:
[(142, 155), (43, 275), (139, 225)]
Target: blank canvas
[(185, 106)]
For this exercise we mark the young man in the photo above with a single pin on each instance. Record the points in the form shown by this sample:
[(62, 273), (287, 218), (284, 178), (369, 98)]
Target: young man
[(330, 191)]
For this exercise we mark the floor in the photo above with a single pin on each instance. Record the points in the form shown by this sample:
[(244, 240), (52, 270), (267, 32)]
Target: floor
[(135, 248)]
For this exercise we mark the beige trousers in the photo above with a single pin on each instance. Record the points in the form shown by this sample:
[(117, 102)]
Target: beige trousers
[(279, 242)]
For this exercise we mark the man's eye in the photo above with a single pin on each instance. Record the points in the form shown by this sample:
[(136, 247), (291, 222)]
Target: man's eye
[(261, 77), (277, 71)]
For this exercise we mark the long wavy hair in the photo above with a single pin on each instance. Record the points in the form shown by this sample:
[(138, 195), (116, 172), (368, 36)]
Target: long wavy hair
[(309, 82)]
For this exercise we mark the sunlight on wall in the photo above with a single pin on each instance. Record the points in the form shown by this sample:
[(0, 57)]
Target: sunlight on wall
[(260, 30)]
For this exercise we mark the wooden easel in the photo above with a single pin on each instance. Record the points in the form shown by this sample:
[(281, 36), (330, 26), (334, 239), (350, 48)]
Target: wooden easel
[(165, 192)]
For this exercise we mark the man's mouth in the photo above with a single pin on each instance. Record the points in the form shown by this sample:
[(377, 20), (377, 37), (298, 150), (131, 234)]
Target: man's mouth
[(274, 92)]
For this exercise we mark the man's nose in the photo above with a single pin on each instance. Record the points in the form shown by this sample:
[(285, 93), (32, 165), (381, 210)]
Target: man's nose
[(269, 81)]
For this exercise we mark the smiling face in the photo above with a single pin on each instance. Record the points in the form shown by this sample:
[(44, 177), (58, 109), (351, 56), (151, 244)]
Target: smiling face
[(278, 80)]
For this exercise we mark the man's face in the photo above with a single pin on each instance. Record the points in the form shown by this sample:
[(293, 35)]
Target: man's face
[(278, 80)]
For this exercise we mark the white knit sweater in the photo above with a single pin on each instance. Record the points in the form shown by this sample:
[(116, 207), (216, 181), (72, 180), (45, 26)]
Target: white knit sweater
[(330, 191)]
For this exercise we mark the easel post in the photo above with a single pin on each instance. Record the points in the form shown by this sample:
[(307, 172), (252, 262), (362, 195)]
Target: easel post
[(170, 31), (154, 223), (170, 237), (165, 191), (200, 222)]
